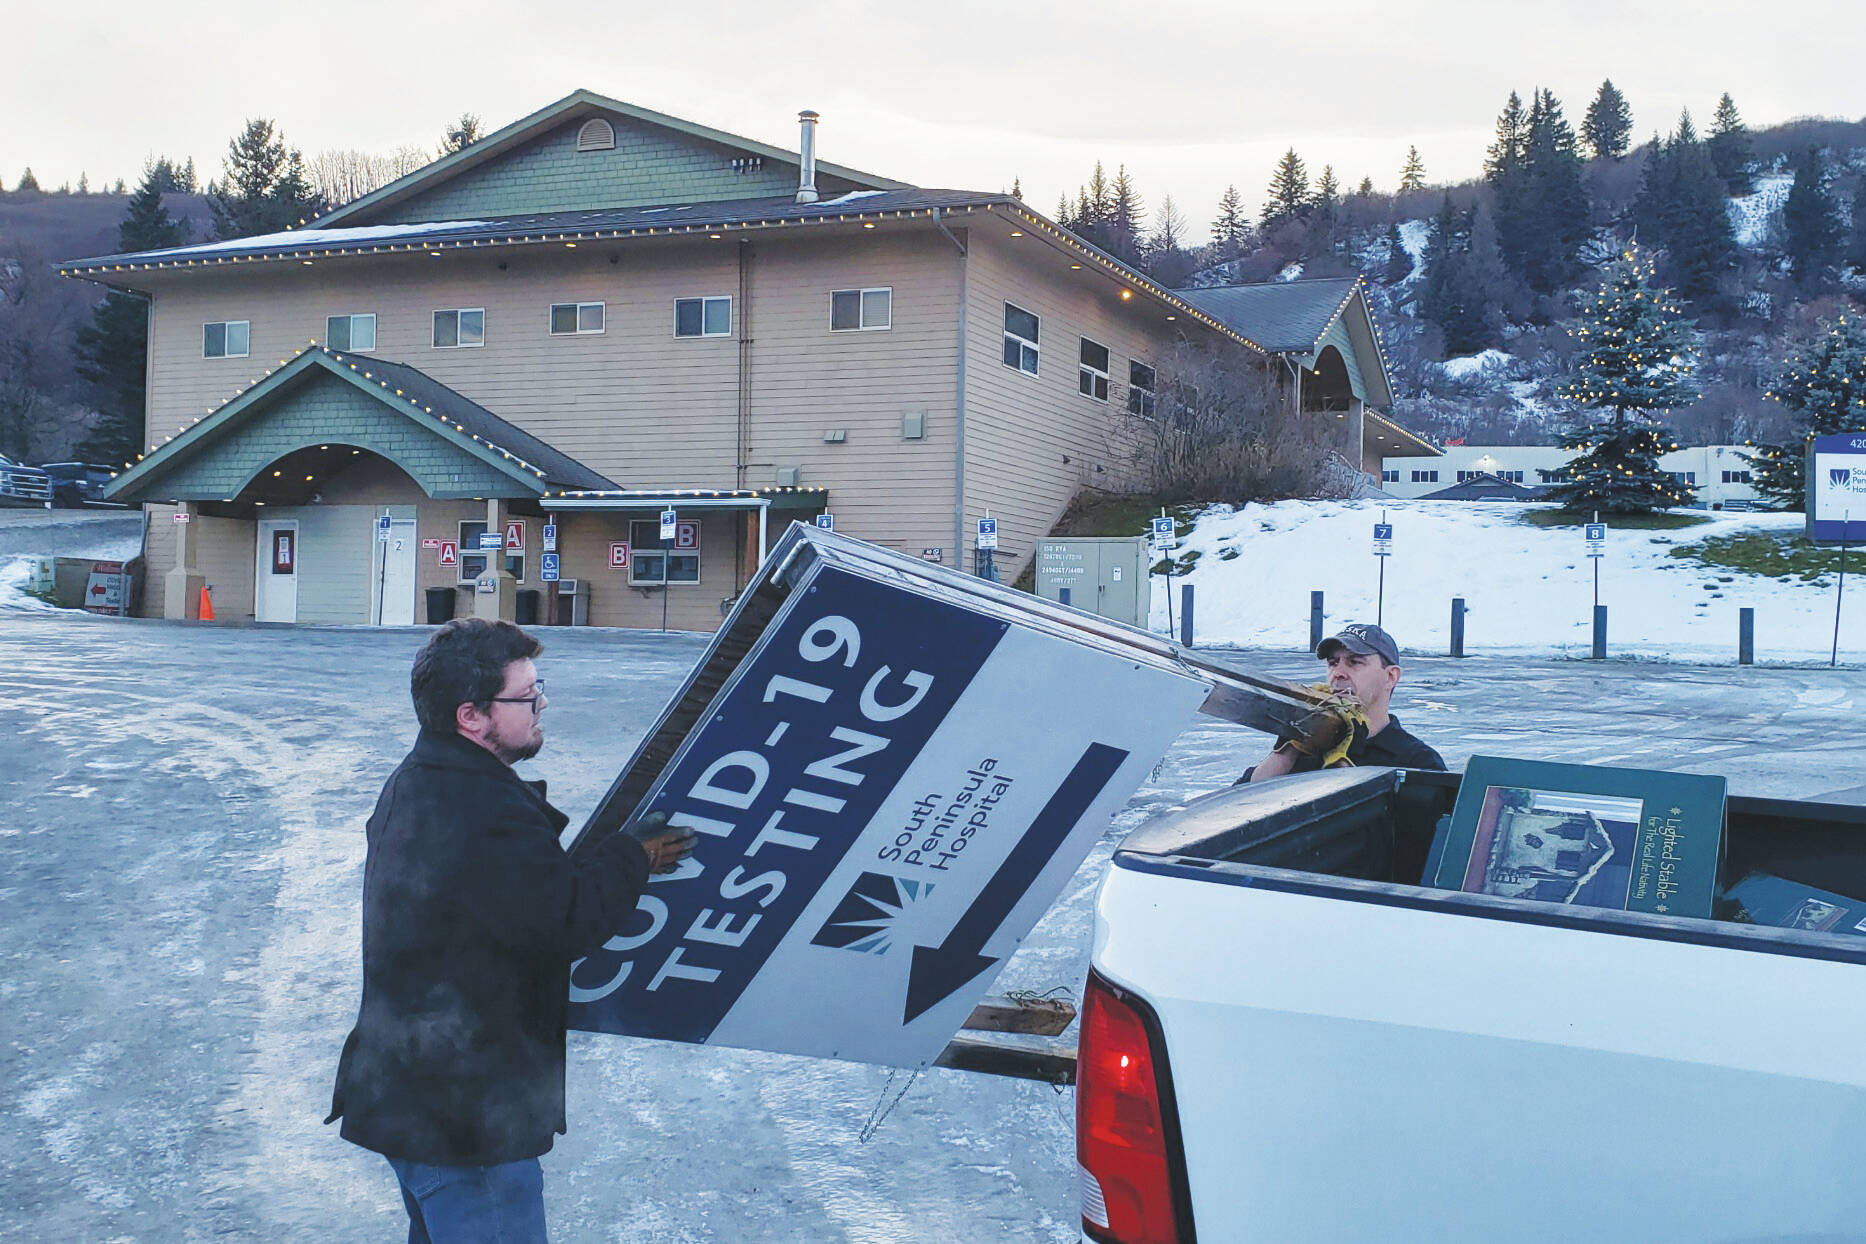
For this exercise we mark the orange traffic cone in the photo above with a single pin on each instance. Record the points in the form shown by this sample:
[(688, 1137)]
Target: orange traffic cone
[(207, 605)]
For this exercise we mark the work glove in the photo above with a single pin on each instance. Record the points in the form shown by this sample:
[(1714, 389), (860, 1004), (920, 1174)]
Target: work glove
[(1326, 732)]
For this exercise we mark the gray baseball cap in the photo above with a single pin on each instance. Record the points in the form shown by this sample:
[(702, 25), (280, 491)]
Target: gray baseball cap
[(1364, 638)]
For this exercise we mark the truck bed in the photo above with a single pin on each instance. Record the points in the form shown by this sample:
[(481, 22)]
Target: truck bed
[(1357, 1057)]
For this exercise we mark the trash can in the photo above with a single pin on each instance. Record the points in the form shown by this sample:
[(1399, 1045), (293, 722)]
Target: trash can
[(441, 605), (526, 613)]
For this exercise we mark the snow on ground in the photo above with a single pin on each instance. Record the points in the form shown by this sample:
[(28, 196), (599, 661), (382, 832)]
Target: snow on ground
[(26, 535), (1469, 365), (1526, 589), (1291, 273), (1751, 215), (1413, 236)]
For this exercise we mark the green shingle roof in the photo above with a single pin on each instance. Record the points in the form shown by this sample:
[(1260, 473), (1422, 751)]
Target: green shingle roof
[(1280, 315)]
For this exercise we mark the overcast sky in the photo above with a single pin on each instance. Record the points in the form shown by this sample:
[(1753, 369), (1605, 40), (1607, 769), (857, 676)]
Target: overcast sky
[(1189, 94)]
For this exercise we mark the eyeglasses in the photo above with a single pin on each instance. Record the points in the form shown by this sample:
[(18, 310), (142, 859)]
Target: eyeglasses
[(535, 699)]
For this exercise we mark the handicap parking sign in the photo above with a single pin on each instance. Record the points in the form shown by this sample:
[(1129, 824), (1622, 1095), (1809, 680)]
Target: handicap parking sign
[(547, 567)]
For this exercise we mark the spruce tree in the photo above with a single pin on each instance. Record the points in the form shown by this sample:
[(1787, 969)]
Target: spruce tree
[(1366, 189), (1063, 215), (1399, 259), (113, 348), (1230, 228), (27, 181), (1823, 381), (1412, 176), (1464, 280), (1855, 256), (84, 183), (1552, 214), (1811, 220), (1634, 366), (1681, 206), (1505, 172), (1017, 189), (1127, 218), (265, 189), (1731, 151), (1608, 126), (1288, 195)]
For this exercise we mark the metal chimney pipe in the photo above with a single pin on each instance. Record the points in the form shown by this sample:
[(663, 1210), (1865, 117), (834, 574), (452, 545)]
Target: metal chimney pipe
[(806, 173)]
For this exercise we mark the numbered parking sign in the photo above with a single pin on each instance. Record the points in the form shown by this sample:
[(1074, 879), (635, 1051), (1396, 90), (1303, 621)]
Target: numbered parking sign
[(1383, 539), (987, 533), (383, 524), (826, 521), (550, 537), (1163, 537), (669, 522), (1596, 539)]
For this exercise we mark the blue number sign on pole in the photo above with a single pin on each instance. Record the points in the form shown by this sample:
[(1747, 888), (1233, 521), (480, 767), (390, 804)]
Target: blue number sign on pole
[(669, 520), (1383, 549), (550, 537), (826, 521)]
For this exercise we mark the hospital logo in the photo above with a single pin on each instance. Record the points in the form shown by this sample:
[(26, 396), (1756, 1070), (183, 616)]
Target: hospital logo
[(1840, 477), (866, 917)]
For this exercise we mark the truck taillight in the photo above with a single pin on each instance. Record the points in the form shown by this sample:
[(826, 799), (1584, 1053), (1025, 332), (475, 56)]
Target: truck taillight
[(1132, 1168)]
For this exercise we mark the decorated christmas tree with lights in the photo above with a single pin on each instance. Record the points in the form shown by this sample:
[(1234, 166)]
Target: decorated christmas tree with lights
[(1824, 383), (1635, 364)]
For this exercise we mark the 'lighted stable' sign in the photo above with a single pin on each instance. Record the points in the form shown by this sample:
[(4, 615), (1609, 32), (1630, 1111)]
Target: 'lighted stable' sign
[(889, 788)]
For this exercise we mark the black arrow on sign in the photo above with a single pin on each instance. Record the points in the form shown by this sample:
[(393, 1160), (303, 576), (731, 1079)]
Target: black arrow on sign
[(937, 972)]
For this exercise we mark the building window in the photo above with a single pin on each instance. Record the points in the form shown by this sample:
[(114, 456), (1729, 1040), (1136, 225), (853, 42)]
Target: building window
[(1092, 377), (1140, 386), (852, 310), (1020, 339), (1738, 477), (226, 339), (1685, 477), (649, 564), (1550, 477), (474, 560), (351, 332), (703, 317), (1389, 477), (1425, 477), (568, 319), (459, 329)]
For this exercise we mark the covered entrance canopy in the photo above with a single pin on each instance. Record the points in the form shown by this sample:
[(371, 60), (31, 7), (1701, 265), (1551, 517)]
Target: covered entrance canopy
[(278, 490), (449, 445), (762, 506)]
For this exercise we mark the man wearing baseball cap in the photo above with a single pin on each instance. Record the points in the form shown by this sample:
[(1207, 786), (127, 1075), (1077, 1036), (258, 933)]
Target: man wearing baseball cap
[(1363, 661)]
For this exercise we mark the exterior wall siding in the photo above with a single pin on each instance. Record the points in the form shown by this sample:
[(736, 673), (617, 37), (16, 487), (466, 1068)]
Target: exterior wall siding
[(1020, 428), (225, 557), (650, 165)]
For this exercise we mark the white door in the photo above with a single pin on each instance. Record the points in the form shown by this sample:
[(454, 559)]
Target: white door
[(275, 579), (397, 574)]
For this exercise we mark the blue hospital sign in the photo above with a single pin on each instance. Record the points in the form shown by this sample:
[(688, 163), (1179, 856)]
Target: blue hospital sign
[(1837, 487), (887, 798)]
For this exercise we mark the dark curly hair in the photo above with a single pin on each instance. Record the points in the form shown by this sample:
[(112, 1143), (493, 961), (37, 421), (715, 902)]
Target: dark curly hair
[(464, 663)]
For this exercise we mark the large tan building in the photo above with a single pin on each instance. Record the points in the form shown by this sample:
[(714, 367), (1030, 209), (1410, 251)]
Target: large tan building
[(600, 313)]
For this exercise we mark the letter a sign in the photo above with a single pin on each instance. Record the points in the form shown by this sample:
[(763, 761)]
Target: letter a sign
[(515, 535)]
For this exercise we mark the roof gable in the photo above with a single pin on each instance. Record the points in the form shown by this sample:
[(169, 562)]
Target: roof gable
[(1296, 317), (533, 165), (474, 433)]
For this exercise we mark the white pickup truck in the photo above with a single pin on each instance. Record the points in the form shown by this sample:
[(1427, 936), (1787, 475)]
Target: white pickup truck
[(1283, 1038)]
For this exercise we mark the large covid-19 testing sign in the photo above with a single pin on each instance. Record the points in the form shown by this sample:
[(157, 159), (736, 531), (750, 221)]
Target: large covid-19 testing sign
[(891, 775), (1837, 487)]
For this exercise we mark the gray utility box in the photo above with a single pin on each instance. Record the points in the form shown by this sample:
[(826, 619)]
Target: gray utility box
[(1105, 575)]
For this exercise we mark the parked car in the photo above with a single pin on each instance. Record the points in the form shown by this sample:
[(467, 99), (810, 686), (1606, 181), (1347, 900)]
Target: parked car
[(24, 485), (78, 483)]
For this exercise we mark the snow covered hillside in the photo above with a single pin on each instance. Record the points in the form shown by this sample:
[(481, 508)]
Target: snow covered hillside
[(1526, 589)]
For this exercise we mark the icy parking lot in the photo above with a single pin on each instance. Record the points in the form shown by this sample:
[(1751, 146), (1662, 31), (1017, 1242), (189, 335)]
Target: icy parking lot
[(182, 845)]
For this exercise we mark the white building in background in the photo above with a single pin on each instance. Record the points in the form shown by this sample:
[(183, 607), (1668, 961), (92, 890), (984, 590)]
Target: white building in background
[(1720, 473)]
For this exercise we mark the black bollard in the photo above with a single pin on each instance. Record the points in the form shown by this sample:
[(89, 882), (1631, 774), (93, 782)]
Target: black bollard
[(1457, 626), (1315, 620), (1746, 637), (1600, 632), (1185, 614)]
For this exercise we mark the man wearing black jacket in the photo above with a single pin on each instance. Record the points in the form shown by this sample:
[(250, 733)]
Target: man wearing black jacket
[(472, 916)]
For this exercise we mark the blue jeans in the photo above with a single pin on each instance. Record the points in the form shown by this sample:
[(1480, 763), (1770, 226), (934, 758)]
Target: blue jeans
[(501, 1204)]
